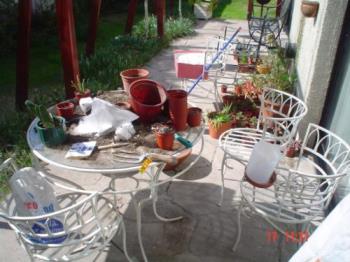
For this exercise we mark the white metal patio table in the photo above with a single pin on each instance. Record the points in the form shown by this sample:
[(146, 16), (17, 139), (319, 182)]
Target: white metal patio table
[(103, 162)]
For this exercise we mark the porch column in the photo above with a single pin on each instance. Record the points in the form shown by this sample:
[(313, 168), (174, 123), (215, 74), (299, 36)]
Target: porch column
[(160, 7), (23, 45), (68, 44), (131, 15), (95, 7)]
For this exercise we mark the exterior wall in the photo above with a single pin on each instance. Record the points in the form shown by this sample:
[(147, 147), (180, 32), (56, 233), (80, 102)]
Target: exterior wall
[(316, 40)]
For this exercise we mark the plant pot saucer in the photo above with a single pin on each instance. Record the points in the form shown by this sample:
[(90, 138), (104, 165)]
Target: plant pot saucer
[(270, 183)]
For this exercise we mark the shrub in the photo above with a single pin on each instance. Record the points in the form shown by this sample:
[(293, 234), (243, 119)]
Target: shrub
[(102, 69)]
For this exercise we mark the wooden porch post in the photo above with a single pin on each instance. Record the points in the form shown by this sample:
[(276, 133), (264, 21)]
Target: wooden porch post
[(160, 17), (250, 9), (68, 44), (95, 7), (171, 7), (131, 15), (23, 45), (279, 7)]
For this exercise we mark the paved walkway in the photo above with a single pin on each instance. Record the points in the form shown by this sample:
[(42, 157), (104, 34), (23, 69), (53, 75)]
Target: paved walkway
[(207, 232)]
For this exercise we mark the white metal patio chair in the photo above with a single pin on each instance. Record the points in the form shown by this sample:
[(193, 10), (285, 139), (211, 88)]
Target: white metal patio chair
[(89, 222), (279, 116), (301, 194)]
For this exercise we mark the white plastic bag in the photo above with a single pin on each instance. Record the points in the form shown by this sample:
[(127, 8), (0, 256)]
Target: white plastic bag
[(262, 162), (103, 119), (34, 196)]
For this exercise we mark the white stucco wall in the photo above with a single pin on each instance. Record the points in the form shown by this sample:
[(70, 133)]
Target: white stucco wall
[(316, 40)]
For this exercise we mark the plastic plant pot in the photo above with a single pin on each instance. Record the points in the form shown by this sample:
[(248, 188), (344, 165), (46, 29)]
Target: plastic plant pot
[(79, 94), (194, 116), (147, 98), (52, 137), (129, 76), (178, 108), (65, 109)]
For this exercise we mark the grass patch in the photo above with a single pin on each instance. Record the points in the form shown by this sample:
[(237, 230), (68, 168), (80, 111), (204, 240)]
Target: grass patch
[(231, 9)]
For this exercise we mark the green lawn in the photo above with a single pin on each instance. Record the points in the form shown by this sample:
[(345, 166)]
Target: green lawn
[(45, 60), (231, 9)]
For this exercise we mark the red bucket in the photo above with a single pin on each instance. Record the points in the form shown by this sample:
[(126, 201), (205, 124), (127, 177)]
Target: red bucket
[(147, 99)]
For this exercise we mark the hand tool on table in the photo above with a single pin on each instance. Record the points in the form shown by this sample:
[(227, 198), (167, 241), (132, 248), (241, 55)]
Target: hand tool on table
[(183, 140)]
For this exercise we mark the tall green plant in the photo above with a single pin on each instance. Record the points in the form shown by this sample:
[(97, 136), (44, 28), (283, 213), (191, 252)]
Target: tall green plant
[(47, 119)]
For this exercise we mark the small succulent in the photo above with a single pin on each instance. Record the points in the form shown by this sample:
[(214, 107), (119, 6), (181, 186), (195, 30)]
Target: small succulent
[(79, 86)]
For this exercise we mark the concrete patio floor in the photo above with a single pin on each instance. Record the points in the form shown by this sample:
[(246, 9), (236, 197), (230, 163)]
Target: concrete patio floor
[(207, 231)]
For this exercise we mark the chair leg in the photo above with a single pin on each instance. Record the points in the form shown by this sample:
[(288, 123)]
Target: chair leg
[(163, 218), (139, 227), (238, 239), (124, 241), (223, 168)]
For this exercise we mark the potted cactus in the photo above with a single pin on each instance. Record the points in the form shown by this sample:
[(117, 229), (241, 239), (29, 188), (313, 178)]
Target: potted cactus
[(51, 128), (80, 89)]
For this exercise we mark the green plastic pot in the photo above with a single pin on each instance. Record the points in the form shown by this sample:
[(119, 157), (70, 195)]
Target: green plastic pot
[(52, 137)]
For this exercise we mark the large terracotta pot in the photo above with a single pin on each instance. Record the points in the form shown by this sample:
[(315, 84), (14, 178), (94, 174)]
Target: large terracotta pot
[(178, 108), (129, 76), (147, 98), (216, 131)]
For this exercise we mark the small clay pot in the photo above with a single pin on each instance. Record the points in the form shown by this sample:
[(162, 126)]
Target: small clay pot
[(65, 109), (78, 94), (215, 132), (223, 88), (194, 116), (309, 8), (165, 140)]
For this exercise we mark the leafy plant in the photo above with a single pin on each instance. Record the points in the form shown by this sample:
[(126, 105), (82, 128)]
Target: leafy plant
[(216, 119), (47, 120)]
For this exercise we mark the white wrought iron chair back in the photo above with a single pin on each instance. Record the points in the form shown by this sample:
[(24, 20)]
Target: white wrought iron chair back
[(301, 193), (89, 219), (279, 116), (330, 159)]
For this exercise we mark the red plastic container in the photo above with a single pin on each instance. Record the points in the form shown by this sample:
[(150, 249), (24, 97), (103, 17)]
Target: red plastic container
[(186, 70), (178, 108), (147, 98), (65, 109), (129, 76)]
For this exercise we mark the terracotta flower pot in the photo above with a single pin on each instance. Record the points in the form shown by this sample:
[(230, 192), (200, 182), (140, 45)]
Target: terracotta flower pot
[(223, 88), (78, 94), (178, 108), (147, 98), (216, 131), (263, 69), (309, 8), (194, 117), (129, 76), (165, 140), (65, 109)]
